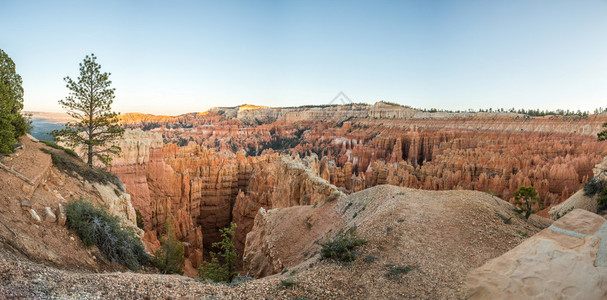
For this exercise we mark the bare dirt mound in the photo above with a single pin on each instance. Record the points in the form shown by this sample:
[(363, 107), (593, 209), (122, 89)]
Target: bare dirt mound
[(435, 237)]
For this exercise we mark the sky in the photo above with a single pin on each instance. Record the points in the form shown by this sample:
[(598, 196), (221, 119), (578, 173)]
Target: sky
[(174, 57)]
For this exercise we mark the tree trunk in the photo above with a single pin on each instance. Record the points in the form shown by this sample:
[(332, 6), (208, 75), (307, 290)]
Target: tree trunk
[(90, 156)]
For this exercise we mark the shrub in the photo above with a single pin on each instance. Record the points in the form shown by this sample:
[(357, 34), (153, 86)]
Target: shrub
[(139, 218), (95, 226), (334, 196), (370, 258), (602, 199), (215, 271), (341, 246), (394, 272), (241, 279), (525, 198), (594, 186), (169, 258), (287, 283)]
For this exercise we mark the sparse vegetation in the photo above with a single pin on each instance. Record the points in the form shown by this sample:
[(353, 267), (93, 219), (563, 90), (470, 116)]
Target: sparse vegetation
[(525, 198), (169, 258), (523, 233), (139, 218), (53, 145), (597, 186), (225, 272), (334, 196), (602, 136), (69, 164), (308, 223), (594, 186), (95, 226), (560, 215), (287, 283), (395, 272), (370, 258), (341, 246), (241, 279), (347, 206)]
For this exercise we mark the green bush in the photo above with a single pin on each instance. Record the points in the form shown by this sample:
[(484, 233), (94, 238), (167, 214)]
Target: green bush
[(525, 198), (95, 226), (370, 258), (169, 258), (394, 272), (215, 271), (341, 246), (602, 199), (287, 283), (139, 218), (594, 186)]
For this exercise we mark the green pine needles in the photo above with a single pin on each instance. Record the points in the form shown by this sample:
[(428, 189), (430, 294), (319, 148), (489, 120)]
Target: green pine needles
[(216, 271), (525, 198), (169, 258), (89, 102), (12, 123)]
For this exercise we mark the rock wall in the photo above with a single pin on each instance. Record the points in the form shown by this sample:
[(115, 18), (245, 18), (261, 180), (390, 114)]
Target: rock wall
[(286, 182), (568, 260)]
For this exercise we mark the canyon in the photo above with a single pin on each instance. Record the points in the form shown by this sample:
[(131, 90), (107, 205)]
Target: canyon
[(205, 170), (431, 193)]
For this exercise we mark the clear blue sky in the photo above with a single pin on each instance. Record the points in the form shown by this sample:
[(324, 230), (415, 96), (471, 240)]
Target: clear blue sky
[(174, 57)]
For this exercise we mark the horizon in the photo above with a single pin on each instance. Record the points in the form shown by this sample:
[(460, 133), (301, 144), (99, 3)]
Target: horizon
[(172, 59)]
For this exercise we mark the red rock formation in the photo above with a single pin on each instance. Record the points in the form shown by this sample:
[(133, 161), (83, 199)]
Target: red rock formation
[(208, 169)]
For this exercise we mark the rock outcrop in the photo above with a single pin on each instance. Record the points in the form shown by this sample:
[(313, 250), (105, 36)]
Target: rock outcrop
[(284, 183), (439, 234), (568, 260), (579, 199)]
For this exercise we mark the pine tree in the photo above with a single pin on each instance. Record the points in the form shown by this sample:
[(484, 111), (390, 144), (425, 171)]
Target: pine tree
[(215, 271), (525, 198), (169, 258), (603, 134), (89, 103), (12, 123)]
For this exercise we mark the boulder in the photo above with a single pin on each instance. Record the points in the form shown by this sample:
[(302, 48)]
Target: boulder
[(26, 205), (35, 217), (49, 216), (568, 260), (61, 218), (577, 200)]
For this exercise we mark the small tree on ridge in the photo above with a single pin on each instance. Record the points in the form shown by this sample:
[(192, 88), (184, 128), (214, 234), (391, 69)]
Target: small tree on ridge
[(525, 198), (89, 103)]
